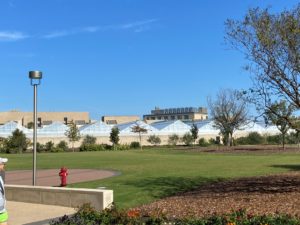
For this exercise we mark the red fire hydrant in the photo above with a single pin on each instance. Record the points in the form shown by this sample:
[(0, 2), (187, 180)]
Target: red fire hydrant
[(63, 176)]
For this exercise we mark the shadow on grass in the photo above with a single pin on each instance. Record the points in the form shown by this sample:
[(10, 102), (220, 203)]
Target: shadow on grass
[(288, 166), (200, 186), (160, 187)]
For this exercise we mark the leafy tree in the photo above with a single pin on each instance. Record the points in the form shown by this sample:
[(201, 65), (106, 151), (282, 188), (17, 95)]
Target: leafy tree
[(89, 140), (271, 44), (173, 139), (114, 136), (194, 131), (153, 139), (229, 113), (279, 114), (187, 139), (17, 142), (73, 134), (140, 130)]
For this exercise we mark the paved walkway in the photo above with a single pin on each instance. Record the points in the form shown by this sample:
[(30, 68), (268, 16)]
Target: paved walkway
[(36, 214)]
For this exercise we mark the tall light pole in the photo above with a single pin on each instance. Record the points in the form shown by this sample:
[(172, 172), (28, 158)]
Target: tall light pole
[(35, 78)]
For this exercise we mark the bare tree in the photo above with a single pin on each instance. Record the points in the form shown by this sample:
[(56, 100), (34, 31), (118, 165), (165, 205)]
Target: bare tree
[(229, 113), (271, 44), (140, 130)]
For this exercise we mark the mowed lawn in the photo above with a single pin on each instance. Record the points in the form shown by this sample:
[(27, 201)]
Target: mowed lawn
[(151, 174)]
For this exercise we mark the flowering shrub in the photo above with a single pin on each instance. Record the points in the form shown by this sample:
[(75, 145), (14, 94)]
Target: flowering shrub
[(86, 215)]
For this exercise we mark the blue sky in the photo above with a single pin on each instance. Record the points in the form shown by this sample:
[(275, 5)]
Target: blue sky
[(119, 57)]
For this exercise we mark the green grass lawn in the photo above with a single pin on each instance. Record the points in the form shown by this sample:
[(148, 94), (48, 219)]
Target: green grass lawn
[(151, 174)]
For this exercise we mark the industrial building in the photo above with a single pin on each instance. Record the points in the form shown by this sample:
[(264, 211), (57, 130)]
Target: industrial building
[(184, 114), (44, 118)]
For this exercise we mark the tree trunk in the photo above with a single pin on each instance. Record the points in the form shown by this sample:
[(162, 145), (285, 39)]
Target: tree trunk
[(73, 146), (283, 141), (140, 141)]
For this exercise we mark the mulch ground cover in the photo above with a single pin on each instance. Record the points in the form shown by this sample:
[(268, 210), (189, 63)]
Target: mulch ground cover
[(258, 195)]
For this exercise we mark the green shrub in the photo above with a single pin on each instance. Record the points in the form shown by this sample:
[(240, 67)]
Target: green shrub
[(63, 145), (91, 148), (203, 143), (135, 145), (57, 149), (187, 139), (122, 147), (252, 138), (49, 146), (255, 138), (89, 140), (40, 147), (273, 139), (173, 139), (154, 140)]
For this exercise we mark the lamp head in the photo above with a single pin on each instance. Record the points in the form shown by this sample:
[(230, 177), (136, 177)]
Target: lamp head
[(35, 76)]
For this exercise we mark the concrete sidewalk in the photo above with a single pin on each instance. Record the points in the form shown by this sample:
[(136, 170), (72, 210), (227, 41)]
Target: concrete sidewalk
[(21, 213)]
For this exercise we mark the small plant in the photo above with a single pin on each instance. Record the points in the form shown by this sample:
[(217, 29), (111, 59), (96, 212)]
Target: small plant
[(89, 140), (203, 143), (154, 140), (135, 145), (187, 139), (173, 139), (49, 146), (40, 147), (63, 145), (91, 148), (122, 147)]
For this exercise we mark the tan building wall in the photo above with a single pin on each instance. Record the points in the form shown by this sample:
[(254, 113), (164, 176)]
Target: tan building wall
[(119, 119), (44, 117)]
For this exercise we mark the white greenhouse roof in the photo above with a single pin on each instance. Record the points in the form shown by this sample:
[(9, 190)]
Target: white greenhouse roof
[(171, 126), (126, 128), (57, 129), (252, 127), (206, 127), (98, 128), (7, 129)]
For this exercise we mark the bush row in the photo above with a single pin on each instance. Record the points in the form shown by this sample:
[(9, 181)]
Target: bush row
[(87, 215)]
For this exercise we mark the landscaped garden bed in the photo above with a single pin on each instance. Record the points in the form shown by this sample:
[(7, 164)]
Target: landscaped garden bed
[(264, 200)]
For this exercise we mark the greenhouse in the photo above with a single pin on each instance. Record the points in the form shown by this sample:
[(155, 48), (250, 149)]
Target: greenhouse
[(252, 127), (206, 127), (171, 127), (126, 128), (97, 129), (55, 129), (7, 129)]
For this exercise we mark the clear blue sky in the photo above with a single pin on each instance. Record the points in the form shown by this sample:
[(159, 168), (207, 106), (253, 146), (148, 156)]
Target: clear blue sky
[(119, 57)]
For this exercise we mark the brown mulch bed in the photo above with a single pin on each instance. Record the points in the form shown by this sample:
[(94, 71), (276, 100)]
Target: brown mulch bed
[(241, 149), (258, 195)]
